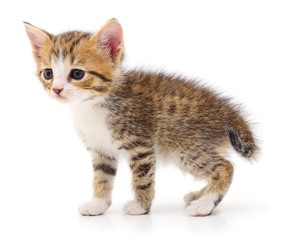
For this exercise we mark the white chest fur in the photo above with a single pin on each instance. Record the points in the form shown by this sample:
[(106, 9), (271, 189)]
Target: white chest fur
[(90, 122)]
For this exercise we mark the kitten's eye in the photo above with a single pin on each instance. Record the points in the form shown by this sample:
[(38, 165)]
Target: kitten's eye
[(48, 73), (77, 74)]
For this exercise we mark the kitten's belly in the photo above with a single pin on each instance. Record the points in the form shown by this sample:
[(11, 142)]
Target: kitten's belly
[(164, 158)]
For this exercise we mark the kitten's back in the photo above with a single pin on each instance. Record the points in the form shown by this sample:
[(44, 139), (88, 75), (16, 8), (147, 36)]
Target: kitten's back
[(182, 114)]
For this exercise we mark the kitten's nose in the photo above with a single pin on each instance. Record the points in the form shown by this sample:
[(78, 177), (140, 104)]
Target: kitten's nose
[(57, 90)]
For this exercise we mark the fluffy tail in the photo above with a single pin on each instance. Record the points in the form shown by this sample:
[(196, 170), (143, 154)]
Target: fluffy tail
[(244, 143)]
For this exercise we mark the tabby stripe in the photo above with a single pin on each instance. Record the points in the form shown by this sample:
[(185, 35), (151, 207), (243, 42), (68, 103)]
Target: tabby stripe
[(100, 89), (69, 36), (55, 52), (64, 53), (107, 169), (103, 78), (97, 89), (143, 169), (55, 40), (172, 108), (107, 157), (152, 174), (135, 144), (77, 41), (195, 157), (142, 155), (144, 187), (102, 182), (216, 166)]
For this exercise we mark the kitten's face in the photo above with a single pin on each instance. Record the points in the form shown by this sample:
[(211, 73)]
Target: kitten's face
[(78, 66)]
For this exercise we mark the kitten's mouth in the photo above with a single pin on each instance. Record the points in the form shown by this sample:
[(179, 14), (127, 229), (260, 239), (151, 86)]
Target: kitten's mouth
[(62, 98)]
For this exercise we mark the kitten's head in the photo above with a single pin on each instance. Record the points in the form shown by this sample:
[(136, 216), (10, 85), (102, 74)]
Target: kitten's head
[(77, 65)]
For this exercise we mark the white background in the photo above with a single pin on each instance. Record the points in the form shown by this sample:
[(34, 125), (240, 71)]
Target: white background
[(45, 172)]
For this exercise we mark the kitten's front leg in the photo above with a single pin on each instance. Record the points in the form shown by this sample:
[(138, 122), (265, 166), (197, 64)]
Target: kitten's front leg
[(142, 164), (105, 168)]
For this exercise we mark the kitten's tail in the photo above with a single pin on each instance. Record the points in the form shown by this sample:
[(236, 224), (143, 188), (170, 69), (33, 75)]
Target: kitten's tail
[(242, 141)]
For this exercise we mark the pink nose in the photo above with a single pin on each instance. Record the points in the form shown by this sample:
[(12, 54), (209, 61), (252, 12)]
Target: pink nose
[(57, 90)]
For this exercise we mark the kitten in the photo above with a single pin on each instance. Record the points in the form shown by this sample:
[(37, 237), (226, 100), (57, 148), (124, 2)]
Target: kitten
[(141, 116)]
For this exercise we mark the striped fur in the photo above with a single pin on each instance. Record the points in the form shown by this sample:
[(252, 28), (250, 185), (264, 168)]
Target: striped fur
[(141, 116)]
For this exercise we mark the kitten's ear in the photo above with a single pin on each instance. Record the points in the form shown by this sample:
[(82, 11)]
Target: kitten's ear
[(37, 38), (110, 37)]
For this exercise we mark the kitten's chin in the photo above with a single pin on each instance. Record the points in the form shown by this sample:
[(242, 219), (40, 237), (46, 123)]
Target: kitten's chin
[(62, 99)]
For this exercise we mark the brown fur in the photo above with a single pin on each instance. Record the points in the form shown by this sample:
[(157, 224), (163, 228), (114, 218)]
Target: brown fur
[(151, 112)]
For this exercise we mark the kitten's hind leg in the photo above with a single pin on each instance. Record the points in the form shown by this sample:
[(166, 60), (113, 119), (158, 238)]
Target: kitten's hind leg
[(218, 172)]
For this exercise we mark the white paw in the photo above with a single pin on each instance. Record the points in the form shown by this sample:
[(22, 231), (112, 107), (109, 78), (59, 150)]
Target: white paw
[(203, 206), (96, 206), (134, 208)]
